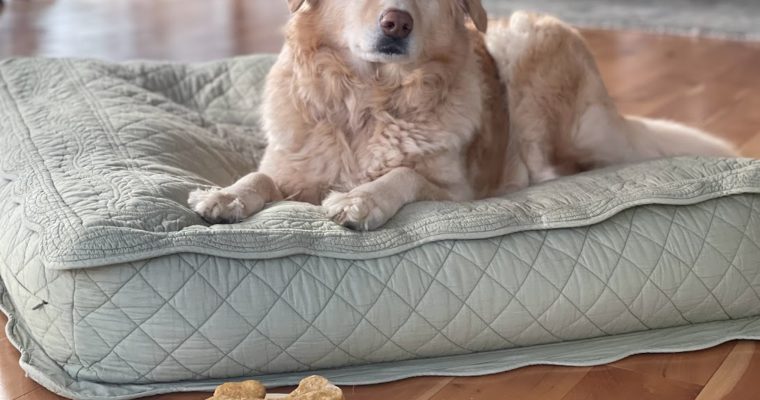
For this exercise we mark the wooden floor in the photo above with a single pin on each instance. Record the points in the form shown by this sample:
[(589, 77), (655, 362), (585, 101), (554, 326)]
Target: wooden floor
[(710, 84)]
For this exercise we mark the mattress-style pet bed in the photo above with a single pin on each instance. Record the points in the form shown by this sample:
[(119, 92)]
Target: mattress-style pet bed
[(116, 289)]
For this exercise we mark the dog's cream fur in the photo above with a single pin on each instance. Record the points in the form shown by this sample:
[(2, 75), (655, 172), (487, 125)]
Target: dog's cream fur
[(461, 115)]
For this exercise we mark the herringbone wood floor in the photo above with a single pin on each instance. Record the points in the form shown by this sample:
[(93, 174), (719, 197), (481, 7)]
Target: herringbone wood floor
[(711, 84)]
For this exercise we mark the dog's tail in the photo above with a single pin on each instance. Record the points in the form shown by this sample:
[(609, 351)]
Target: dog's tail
[(610, 138), (652, 138)]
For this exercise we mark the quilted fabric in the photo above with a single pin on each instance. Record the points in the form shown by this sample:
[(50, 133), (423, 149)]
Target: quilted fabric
[(116, 289)]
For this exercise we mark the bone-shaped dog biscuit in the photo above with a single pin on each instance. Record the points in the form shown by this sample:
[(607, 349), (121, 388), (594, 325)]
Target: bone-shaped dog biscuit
[(247, 390), (311, 388), (316, 388)]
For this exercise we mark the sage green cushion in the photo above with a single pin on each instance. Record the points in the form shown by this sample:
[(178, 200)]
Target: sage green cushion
[(117, 289)]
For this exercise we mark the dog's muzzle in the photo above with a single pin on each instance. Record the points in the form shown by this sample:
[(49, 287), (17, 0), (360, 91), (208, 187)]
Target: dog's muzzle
[(391, 46), (396, 26)]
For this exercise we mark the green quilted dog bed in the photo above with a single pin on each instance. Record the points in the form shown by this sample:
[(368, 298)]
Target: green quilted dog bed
[(116, 289)]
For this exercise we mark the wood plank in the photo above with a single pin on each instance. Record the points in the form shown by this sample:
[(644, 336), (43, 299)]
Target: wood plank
[(744, 73), (619, 384), (738, 123), (179, 396), (189, 30), (409, 389), (738, 377), (693, 367), (539, 382), (13, 380), (40, 394), (752, 147), (701, 103), (693, 104), (670, 61)]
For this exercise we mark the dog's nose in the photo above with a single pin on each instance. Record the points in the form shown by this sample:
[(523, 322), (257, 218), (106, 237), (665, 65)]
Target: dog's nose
[(397, 24)]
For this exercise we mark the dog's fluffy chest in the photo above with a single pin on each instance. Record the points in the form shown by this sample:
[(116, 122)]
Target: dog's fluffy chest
[(336, 130), (378, 133)]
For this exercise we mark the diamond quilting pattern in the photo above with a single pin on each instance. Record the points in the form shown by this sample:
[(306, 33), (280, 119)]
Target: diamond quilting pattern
[(118, 182), (201, 317), (106, 176)]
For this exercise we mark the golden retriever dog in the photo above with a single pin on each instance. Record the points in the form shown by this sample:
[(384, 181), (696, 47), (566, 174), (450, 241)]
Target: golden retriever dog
[(374, 104)]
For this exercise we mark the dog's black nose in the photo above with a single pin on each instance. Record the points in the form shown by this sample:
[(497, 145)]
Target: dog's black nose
[(397, 24)]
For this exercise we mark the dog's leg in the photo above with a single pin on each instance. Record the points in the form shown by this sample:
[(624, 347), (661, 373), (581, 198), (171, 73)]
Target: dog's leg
[(540, 168), (372, 204), (232, 204)]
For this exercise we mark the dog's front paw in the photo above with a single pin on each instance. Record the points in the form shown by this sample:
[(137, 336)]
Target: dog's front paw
[(355, 210), (218, 206)]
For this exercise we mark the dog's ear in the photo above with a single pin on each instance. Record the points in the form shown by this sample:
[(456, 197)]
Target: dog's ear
[(478, 14), (294, 5)]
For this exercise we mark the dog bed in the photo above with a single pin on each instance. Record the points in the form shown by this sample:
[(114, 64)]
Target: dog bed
[(116, 289)]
